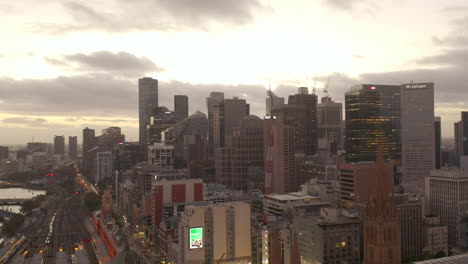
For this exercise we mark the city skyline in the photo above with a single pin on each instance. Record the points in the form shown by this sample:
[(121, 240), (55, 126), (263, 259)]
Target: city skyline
[(58, 84)]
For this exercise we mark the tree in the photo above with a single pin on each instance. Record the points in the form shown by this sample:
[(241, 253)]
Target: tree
[(92, 201)]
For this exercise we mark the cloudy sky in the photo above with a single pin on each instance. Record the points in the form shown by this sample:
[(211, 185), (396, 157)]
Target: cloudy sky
[(65, 65)]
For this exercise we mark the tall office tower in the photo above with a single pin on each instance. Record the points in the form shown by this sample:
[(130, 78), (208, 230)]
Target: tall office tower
[(159, 122), (417, 133), (309, 126), (411, 223), (147, 103), (211, 101), (461, 137), (272, 101), (181, 107), (330, 121), (225, 116), (4, 152), (72, 147), (195, 127), (279, 144), (239, 164), (373, 119), (59, 145), (381, 223), (215, 232), (438, 142), (104, 166), (89, 142), (446, 194)]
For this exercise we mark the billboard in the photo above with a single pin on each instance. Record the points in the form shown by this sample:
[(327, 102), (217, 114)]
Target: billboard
[(196, 237)]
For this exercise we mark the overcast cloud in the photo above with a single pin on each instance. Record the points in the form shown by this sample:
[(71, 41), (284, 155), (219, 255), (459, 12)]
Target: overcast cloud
[(159, 15), (121, 63)]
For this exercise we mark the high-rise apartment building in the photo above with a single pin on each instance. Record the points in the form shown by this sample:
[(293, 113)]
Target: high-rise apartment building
[(446, 194), (211, 101), (461, 137), (417, 133), (147, 103), (59, 145), (381, 222), (213, 232), (181, 107), (89, 142), (36, 147), (330, 121), (373, 119), (225, 116), (72, 147), (280, 145), (438, 142), (239, 164)]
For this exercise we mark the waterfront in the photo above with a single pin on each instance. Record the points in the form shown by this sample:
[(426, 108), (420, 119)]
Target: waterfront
[(20, 193)]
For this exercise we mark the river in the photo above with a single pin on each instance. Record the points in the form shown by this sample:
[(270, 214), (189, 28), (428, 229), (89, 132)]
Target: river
[(6, 193)]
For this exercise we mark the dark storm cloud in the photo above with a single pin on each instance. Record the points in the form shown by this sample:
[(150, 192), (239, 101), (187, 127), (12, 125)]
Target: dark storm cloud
[(160, 15), (104, 61), (24, 120)]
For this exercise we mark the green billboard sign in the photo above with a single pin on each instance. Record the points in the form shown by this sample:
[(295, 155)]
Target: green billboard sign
[(196, 237)]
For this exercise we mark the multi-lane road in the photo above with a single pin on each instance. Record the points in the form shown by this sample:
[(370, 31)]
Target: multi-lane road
[(58, 236)]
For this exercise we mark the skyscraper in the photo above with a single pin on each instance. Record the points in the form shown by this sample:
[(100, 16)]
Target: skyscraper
[(438, 142), (373, 119), (211, 101), (239, 164), (309, 126), (330, 121), (89, 141), (461, 136), (272, 101), (72, 147), (59, 145), (279, 154), (417, 133), (381, 223), (147, 103), (181, 107), (4, 152), (225, 116)]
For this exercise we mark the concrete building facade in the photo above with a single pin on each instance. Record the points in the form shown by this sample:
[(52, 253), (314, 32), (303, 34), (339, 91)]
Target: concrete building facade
[(446, 194), (417, 133)]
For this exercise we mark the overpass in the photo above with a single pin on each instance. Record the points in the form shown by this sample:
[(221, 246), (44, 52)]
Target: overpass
[(13, 201)]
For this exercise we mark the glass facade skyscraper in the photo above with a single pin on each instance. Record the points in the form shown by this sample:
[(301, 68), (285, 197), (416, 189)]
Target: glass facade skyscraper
[(147, 104), (373, 119)]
